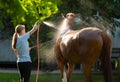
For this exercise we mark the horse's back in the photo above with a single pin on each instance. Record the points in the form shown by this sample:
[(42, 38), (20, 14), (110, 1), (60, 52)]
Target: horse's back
[(81, 45), (90, 33)]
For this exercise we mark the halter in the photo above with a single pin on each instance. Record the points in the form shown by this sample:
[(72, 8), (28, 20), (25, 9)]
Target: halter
[(64, 32)]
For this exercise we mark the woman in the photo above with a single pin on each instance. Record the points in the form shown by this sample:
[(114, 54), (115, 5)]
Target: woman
[(21, 48)]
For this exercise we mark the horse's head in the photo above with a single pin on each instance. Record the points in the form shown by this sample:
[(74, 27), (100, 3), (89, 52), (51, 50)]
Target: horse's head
[(72, 19)]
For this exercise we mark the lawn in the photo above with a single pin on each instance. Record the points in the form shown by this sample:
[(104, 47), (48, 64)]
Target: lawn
[(47, 77)]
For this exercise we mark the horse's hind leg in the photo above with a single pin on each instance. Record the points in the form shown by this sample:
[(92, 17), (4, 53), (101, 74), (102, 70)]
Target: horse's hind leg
[(70, 70), (62, 70), (88, 73)]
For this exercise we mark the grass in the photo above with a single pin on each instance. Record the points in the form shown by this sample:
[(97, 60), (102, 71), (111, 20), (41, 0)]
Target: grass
[(47, 77)]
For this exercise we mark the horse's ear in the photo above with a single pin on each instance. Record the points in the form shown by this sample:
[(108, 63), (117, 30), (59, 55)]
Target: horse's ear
[(78, 14), (63, 15)]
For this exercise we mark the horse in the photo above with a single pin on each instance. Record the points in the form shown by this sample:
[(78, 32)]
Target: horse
[(83, 46)]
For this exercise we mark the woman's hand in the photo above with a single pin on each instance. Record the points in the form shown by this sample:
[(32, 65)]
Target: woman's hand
[(32, 47), (35, 27)]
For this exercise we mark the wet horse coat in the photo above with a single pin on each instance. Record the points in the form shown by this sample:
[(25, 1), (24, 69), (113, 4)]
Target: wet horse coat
[(83, 46)]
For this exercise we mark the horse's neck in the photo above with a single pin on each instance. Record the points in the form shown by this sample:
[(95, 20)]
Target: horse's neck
[(67, 24), (66, 27), (70, 24), (64, 31)]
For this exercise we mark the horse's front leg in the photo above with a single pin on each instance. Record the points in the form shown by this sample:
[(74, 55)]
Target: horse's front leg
[(62, 70), (70, 70), (88, 73)]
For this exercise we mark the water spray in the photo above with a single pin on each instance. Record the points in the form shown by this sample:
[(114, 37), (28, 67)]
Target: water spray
[(50, 24)]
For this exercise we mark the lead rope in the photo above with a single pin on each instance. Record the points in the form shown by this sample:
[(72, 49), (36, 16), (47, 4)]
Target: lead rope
[(38, 50)]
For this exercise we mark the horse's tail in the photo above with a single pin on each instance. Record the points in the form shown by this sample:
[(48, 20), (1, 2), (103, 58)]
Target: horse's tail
[(106, 57)]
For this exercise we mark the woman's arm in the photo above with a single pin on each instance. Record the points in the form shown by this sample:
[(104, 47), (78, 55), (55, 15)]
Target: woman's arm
[(35, 27), (16, 53)]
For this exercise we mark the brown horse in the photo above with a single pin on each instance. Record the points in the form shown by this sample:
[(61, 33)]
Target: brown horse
[(83, 46)]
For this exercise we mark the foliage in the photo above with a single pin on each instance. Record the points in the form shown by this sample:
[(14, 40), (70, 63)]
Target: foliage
[(11, 9), (38, 9), (107, 9), (27, 11)]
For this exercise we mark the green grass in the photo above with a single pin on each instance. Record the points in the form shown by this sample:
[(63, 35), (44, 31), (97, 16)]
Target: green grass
[(47, 77)]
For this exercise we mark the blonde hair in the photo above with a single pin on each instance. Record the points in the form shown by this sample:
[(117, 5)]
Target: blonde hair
[(18, 29)]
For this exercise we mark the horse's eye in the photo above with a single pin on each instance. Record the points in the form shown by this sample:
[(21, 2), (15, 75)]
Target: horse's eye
[(72, 15), (67, 15)]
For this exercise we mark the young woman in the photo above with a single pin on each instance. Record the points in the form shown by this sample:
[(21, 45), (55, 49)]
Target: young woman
[(21, 48)]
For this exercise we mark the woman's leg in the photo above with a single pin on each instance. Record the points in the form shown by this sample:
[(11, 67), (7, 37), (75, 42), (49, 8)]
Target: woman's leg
[(20, 68), (25, 71)]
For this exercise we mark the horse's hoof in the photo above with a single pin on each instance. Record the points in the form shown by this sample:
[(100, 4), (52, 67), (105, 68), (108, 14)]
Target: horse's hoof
[(64, 80)]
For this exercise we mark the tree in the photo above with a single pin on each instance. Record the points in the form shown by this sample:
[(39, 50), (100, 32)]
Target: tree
[(27, 11), (107, 8)]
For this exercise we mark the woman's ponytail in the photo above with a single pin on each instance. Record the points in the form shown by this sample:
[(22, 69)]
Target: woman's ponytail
[(14, 40), (18, 29)]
